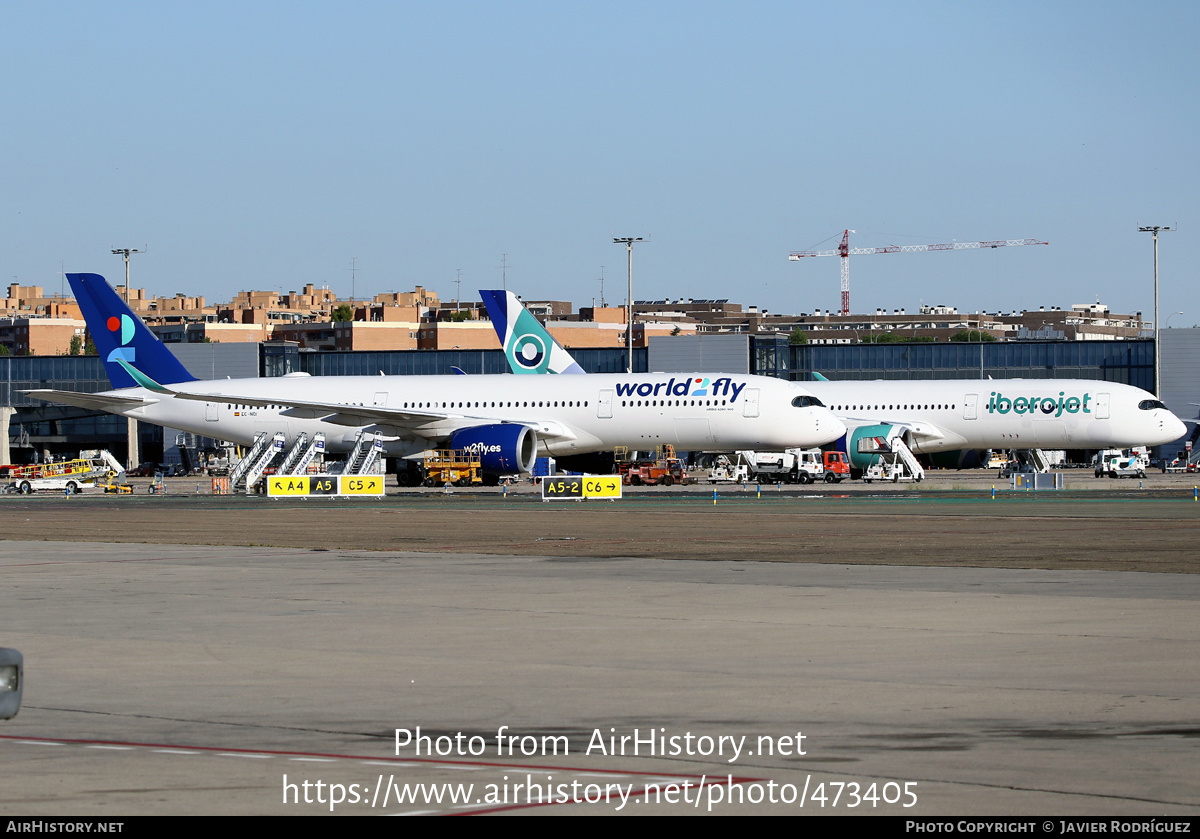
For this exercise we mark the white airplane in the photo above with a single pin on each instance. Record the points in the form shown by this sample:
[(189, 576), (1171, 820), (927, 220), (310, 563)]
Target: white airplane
[(930, 416), (508, 420)]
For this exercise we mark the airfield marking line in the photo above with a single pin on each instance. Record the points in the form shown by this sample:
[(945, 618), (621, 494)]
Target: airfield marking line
[(442, 763)]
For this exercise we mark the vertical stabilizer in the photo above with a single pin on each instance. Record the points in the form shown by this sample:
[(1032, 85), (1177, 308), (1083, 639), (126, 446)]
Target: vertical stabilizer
[(528, 347), (121, 338)]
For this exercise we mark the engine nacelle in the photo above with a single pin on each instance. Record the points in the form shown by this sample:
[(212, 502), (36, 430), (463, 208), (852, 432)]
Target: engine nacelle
[(503, 449), (848, 443)]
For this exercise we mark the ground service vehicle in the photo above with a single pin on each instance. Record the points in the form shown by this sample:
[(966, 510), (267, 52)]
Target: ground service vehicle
[(452, 466), (837, 466), (1121, 465), (724, 471), (1014, 467), (793, 466), (69, 476)]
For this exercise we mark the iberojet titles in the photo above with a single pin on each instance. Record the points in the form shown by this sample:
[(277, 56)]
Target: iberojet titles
[(720, 387), (1001, 404)]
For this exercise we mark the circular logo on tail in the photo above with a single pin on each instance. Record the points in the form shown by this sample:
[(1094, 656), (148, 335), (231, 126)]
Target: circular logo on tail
[(529, 351)]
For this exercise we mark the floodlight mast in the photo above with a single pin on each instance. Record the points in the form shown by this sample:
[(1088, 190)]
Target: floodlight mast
[(628, 241), (125, 252), (1154, 228)]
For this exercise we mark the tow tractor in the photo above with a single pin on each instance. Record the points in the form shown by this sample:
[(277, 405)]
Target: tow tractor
[(664, 468), (114, 486)]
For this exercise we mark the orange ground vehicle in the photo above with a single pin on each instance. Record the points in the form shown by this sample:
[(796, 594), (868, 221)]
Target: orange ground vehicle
[(664, 468), (837, 467)]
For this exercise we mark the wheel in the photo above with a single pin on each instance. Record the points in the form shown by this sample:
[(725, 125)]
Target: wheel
[(26, 488), (668, 481), (830, 478), (404, 478), (804, 478), (635, 480), (1141, 474), (1113, 474), (896, 478), (72, 488), (430, 482)]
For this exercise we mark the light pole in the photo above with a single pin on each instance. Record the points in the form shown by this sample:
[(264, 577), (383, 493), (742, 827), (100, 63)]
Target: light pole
[(628, 241), (125, 252), (1173, 314), (1154, 228)]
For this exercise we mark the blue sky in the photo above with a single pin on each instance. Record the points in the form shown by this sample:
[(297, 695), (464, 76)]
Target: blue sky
[(265, 145)]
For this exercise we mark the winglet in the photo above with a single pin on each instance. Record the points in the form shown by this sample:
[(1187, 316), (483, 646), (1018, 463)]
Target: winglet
[(141, 378)]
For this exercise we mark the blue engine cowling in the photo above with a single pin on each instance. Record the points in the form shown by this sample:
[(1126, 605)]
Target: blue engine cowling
[(503, 449)]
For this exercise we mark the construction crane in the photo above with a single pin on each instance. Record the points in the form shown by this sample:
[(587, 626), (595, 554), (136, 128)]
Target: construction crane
[(844, 251)]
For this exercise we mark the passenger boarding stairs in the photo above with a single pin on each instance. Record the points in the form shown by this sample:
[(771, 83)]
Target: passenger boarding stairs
[(189, 450), (251, 467), (302, 453), (366, 457), (1035, 458), (894, 460)]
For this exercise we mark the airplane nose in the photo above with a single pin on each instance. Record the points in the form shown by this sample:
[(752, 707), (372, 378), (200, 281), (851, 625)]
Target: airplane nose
[(1174, 427), (828, 423)]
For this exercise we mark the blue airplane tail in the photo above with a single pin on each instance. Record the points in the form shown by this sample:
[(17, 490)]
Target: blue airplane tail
[(122, 340), (528, 347)]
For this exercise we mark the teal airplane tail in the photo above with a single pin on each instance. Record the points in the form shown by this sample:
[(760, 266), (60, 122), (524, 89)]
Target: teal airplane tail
[(528, 347)]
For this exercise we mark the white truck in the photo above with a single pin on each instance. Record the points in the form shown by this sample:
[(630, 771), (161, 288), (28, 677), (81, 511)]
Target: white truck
[(1117, 463), (793, 466), (69, 476), (725, 471)]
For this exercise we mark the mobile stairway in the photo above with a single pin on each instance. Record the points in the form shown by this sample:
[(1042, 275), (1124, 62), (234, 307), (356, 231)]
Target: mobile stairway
[(891, 458), (302, 453), (251, 467), (366, 458)]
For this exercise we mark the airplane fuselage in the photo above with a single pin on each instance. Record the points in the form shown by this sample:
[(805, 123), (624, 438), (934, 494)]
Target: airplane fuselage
[(571, 414), (1006, 413)]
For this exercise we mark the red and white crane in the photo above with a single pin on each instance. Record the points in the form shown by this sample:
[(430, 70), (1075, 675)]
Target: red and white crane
[(844, 251)]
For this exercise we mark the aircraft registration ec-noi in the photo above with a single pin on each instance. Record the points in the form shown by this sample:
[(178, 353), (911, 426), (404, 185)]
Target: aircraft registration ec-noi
[(930, 416), (508, 420)]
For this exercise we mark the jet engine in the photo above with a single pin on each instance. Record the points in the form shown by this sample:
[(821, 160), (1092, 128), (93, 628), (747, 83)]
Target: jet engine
[(503, 449)]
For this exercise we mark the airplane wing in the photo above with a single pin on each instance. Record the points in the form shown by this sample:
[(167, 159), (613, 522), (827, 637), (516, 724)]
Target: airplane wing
[(91, 401), (427, 421)]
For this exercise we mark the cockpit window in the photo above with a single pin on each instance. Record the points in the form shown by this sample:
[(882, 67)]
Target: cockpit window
[(807, 402), (1150, 404)]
